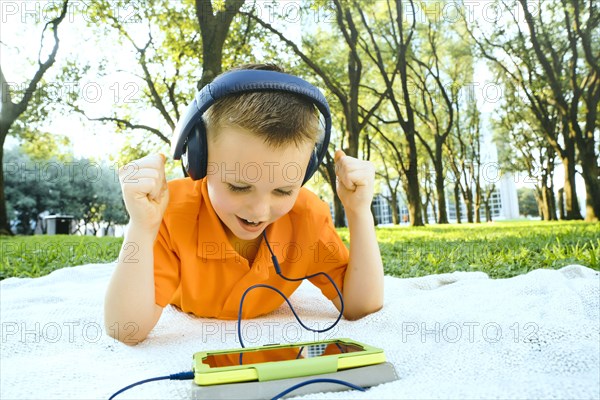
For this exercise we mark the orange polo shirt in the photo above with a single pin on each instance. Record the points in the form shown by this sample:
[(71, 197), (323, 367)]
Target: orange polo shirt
[(198, 270)]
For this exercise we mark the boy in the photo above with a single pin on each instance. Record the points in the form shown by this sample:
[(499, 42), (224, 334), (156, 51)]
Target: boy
[(198, 245)]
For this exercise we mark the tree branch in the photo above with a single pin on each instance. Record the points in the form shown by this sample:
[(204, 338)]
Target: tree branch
[(43, 66), (125, 123)]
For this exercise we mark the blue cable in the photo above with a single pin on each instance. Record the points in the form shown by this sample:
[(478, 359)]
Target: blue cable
[(311, 381), (181, 376), (278, 270)]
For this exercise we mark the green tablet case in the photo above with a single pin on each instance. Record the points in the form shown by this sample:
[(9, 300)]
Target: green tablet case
[(206, 375)]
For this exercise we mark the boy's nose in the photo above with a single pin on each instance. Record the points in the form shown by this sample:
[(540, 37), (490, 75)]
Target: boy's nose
[(259, 210)]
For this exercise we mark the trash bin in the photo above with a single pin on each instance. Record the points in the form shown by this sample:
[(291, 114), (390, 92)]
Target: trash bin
[(58, 224)]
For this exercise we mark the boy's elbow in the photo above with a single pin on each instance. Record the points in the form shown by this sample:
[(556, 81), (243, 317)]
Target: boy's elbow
[(124, 336), (129, 330), (355, 315)]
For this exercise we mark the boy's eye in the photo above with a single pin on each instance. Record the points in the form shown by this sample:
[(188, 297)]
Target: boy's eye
[(238, 188)]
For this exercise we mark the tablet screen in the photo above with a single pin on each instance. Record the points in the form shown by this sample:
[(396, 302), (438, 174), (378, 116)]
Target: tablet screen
[(280, 354)]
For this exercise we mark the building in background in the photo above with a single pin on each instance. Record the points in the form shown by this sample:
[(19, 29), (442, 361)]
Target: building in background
[(503, 200)]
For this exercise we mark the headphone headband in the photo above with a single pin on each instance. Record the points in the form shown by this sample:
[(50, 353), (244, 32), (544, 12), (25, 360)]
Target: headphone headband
[(244, 81)]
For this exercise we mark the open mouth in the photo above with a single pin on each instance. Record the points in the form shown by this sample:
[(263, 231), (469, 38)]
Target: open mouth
[(250, 222)]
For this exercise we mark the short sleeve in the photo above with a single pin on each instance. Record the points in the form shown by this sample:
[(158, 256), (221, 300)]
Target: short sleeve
[(331, 257), (166, 267)]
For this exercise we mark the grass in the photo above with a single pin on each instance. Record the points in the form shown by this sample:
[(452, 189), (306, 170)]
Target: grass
[(500, 249), (33, 256)]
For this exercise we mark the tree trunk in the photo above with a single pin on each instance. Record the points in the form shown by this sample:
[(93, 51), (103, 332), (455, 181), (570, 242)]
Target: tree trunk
[(546, 207), (338, 209), (552, 205), (469, 206), (549, 204), (413, 195), (572, 205), (477, 203), (549, 176), (561, 203), (457, 202), (4, 222), (214, 30), (549, 198), (590, 173), (394, 206), (442, 217), (539, 200)]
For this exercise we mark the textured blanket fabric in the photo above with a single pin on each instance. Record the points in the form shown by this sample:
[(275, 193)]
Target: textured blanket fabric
[(459, 335)]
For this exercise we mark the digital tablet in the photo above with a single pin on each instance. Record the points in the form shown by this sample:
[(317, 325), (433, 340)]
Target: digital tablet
[(272, 362)]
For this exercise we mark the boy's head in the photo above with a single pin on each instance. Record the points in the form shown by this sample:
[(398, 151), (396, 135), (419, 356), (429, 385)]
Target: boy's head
[(259, 147), (278, 118)]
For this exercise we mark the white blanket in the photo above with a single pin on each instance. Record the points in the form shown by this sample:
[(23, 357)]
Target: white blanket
[(459, 335)]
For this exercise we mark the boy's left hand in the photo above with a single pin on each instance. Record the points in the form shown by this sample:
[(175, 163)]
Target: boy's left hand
[(355, 182)]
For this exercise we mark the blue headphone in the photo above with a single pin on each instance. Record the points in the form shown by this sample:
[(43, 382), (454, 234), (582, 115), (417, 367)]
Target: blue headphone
[(189, 138)]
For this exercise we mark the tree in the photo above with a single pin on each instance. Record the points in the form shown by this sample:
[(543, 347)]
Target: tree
[(162, 69), (214, 28), (390, 36), (522, 147), (28, 189), (582, 26), (11, 111), (464, 149), (88, 191), (391, 179), (438, 118), (528, 204), (347, 92), (543, 60)]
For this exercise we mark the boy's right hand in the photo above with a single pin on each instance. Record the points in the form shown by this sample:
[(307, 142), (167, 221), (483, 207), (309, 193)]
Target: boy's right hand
[(145, 190)]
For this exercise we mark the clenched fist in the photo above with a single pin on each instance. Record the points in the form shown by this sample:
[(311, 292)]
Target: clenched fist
[(145, 191), (355, 182)]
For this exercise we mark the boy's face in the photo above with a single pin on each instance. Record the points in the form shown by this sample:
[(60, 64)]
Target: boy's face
[(248, 180)]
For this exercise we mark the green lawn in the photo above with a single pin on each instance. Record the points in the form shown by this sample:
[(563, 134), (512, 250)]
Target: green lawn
[(33, 256), (500, 249)]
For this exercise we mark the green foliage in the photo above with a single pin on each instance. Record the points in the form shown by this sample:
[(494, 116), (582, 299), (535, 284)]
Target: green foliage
[(84, 189), (43, 146), (527, 203)]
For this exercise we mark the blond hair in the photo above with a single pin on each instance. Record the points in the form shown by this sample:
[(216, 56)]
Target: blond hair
[(278, 118)]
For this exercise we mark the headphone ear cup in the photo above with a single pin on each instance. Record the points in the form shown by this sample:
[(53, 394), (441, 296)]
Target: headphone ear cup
[(313, 165), (195, 157)]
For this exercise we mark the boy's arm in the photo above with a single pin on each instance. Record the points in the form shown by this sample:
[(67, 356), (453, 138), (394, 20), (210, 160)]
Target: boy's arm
[(363, 282), (130, 311)]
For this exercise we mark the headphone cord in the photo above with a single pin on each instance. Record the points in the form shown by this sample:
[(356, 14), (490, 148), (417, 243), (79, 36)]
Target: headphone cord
[(278, 270)]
